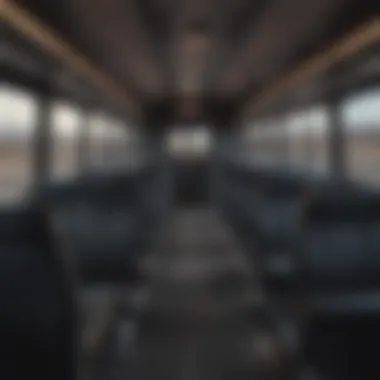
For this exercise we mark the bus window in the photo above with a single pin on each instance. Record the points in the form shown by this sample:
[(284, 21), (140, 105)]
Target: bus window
[(268, 144), (308, 141), (361, 115), (97, 141), (115, 145), (189, 143), (64, 133), (17, 122)]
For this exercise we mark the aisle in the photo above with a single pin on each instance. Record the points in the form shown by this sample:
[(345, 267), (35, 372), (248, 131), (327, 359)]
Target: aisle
[(200, 287)]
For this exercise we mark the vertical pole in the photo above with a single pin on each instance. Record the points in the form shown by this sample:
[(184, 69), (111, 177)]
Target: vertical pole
[(42, 154)]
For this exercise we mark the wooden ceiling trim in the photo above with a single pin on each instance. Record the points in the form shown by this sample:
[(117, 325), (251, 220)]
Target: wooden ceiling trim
[(272, 43), (346, 47), (35, 31)]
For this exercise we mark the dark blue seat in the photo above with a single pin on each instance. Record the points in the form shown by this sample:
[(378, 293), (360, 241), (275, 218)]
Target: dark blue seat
[(339, 281), (98, 220), (38, 315), (265, 209), (340, 241), (107, 221)]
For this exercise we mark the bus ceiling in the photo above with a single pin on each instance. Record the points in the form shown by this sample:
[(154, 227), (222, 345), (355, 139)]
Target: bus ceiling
[(188, 59)]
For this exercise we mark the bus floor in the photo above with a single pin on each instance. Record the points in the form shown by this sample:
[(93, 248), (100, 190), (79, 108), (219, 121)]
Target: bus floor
[(194, 325)]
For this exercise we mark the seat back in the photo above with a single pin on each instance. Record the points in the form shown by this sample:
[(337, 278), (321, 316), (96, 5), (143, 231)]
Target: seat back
[(340, 272), (108, 221), (97, 218), (38, 315), (340, 241)]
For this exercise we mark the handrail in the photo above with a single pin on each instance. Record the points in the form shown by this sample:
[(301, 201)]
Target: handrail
[(345, 47), (40, 34)]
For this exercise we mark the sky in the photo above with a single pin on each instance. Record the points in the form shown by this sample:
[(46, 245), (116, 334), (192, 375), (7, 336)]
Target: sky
[(17, 110)]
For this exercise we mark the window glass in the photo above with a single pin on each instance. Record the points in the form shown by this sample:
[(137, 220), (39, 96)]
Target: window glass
[(17, 124), (113, 144), (115, 148), (298, 142), (65, 126), (189, 142), (268, 145), (361, 116), (308, 141), (97, 133)]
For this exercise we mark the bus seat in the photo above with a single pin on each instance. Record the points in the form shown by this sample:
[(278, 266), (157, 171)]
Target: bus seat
[(38, 315), (268, 213), (339, 248), (339, 277), (99, 221), (107, 221)]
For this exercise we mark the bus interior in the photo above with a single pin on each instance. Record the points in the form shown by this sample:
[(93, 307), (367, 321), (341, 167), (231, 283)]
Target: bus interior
[(190, 189)]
